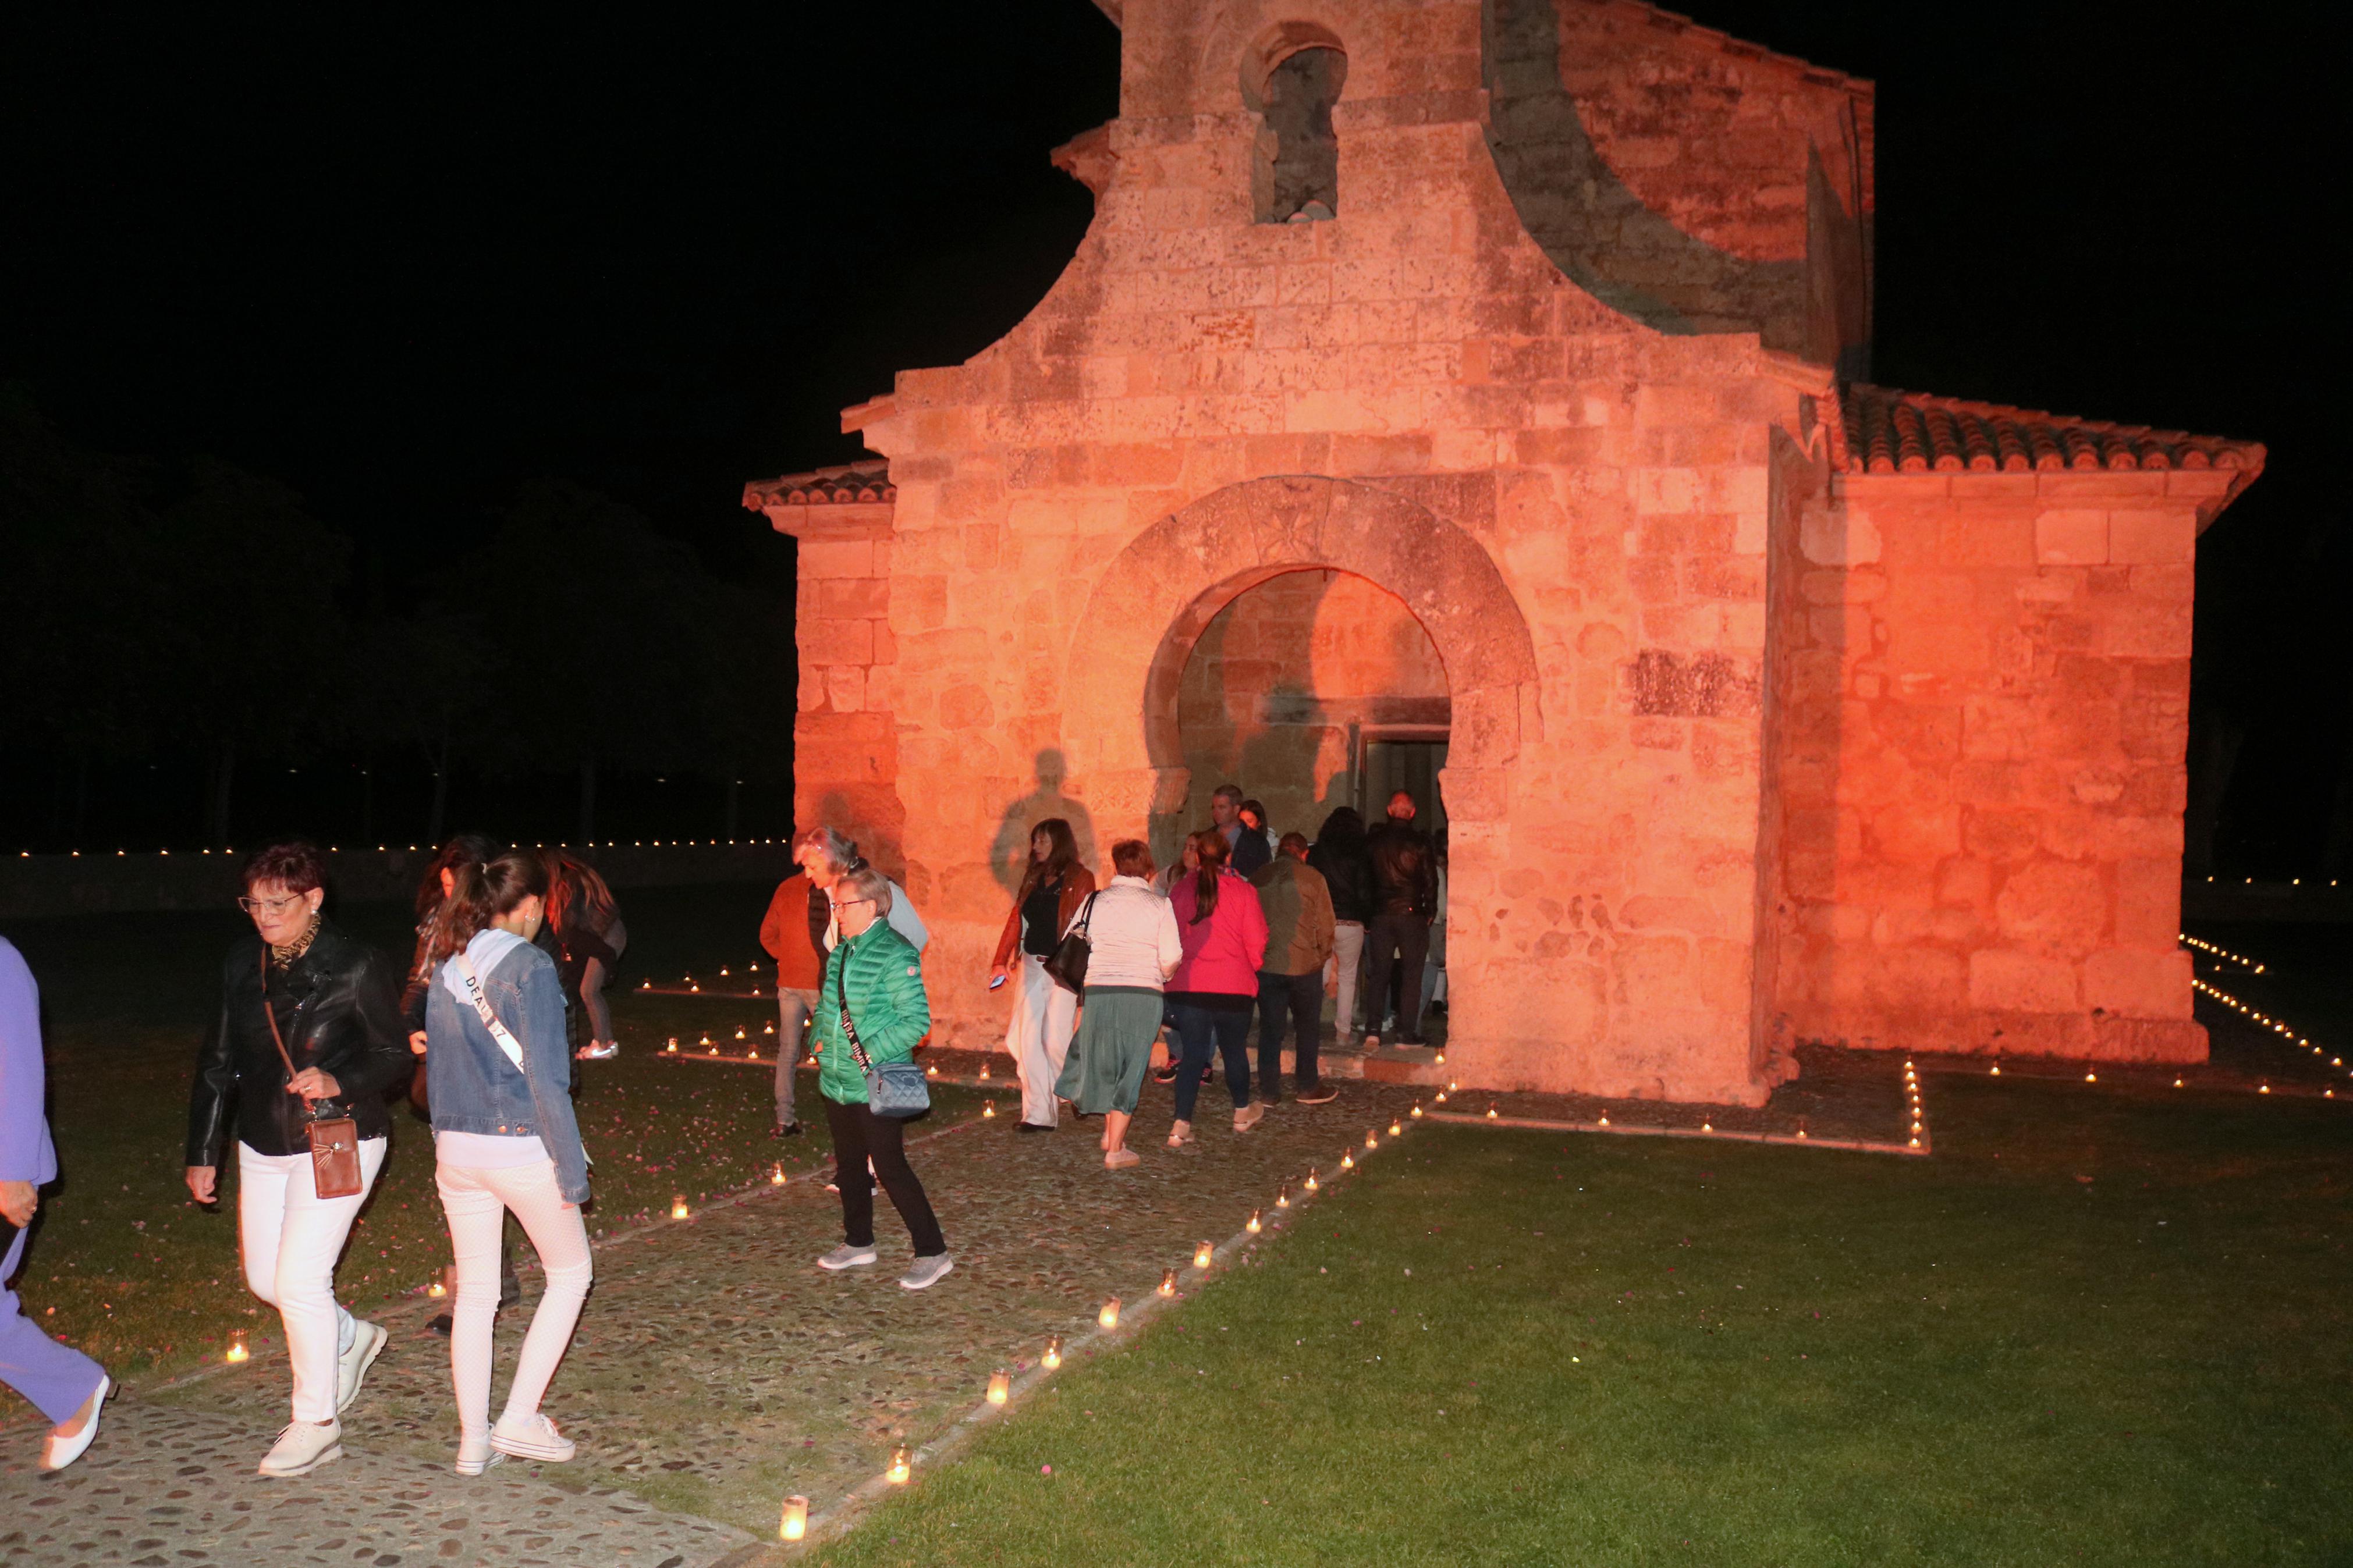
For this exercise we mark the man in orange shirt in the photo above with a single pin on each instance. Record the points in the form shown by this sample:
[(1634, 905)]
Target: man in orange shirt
[(794, 934)]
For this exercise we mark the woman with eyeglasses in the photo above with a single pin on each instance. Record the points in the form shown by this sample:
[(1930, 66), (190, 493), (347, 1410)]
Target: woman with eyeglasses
[(309, 1025)]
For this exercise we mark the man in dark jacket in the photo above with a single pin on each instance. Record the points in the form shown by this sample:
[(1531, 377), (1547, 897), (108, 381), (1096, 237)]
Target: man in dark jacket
[(1405, 895), (1347, 864)]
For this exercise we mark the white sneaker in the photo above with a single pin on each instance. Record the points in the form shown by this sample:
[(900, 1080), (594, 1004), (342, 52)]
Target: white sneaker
[(598, 1051), (475, 1454), (535, 1437), (351, 1366), (847, 1257), (304, 1447), (925, 1272), (59, 1452)]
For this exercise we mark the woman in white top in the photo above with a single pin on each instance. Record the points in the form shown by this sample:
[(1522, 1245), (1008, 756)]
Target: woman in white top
[(505, 1139), (1133, 948)]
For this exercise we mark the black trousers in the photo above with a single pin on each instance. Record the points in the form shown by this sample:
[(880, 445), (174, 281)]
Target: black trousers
[(860, 1135), (1408, 938), (1300, 999)]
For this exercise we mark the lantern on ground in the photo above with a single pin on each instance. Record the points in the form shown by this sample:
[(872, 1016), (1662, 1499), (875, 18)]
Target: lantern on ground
[(1417, 1110), (678, 1207), (795, 1524), (902, 1464), (1167, 1282), (1202, 1254), (1254, 1226), (988, 1110), (237, 1347), (1311, 1178), (1282, 1196), (1109, 1315), (1000, 1387), (776, 1176), (1053, 1356), (1347, 1161)]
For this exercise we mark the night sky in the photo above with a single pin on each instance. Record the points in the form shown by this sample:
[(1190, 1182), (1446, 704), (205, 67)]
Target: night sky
[(407, 262)]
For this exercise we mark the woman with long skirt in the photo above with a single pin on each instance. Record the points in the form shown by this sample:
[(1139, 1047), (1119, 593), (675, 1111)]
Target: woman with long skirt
[(1133, 947)]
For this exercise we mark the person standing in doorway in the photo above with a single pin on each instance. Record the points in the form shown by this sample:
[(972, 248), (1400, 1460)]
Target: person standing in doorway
[(794, 935), (1298, 911), (1405, 895), (1134, 948), (1214, 988), (1054, 887), (65, 1385), (308, 1027), (874, 989), (1346, 865), (504, 1141)]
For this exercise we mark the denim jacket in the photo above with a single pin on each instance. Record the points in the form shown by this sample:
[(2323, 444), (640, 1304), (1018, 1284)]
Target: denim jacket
[(474, 1088)]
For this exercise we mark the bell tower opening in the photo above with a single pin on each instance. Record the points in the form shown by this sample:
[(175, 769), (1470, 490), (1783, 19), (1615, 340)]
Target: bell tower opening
[(1293, 81)]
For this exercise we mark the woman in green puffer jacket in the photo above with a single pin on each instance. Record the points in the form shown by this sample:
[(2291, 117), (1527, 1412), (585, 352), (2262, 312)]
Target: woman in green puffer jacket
[(880, 975)]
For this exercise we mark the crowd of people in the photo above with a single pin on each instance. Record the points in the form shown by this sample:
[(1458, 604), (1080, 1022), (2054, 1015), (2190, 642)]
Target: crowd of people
[(317, 1034)]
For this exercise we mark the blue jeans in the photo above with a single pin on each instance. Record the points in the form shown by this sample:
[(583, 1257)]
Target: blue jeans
[(1195, 1027), (1301, 998)]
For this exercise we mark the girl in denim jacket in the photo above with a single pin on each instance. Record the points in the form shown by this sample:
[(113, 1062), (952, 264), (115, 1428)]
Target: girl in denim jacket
[(504, 1139)]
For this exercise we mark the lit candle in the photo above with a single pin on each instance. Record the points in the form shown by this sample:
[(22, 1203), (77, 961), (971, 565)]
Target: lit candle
[(1109, 1316), (776, 1176), (672, 1046), (1441, 1059), (1371, 1141), (722, 973), (1347, 1161), (436, 1290), (1053, 1356), (236, 1350), (1311, 1178), (1604, 1116), (1000, 1387), (931, 1072), (2090, 1077), (984, 1069), (1202, 1254), (1282, 1196), (1254, 1226), (678, 1207), (769, 1030), (795, 1519), (902, 1464), (1441, 1097), (704, 1041), (988, 1109), (2263, 1088), (1706, 1127), (1417, 1110), (739, 1034), (1996, 1070), (1396, 1129), (1169, 1282)]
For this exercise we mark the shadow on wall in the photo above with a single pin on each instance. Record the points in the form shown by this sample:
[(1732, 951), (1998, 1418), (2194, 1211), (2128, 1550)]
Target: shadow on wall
[(1009, 852)]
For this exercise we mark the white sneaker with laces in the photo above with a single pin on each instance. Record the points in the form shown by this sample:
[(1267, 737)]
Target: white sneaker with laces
[(475, 1454), (533, 1438), (351, 1366), (847, 1257), (925, 1272), (304, 1447)]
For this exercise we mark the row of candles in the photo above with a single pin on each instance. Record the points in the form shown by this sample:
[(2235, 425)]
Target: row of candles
[(2223, 953), (609, 844), (998, 1393)]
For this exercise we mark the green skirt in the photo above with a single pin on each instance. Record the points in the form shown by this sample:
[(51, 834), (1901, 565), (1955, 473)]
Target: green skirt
[(1104, 1070)]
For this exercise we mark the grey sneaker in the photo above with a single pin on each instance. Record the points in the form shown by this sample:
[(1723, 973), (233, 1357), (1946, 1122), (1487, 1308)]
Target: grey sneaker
[(926, 1272), (847, 1257)]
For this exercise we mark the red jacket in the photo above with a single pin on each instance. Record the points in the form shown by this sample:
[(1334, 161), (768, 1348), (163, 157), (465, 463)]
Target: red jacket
[(786, 934), (1223, 952), (1077, 883)]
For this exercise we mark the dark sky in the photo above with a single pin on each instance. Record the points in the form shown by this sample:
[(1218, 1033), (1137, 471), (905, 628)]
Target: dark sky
[(404, 260)]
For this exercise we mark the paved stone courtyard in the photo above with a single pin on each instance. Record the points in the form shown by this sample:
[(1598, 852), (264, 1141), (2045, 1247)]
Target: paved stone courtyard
[(717, 1371)]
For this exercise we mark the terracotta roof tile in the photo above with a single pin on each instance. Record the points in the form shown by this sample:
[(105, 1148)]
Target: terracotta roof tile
[(866, 481), (1893, 432)]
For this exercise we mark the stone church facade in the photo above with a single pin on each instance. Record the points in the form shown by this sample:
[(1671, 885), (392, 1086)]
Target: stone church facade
[(1496, 377)]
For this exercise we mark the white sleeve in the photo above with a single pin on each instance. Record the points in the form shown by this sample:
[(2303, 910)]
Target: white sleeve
[(905, 921), (1171, 941)]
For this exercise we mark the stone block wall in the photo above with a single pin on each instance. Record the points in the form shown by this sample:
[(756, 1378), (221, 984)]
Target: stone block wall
[(844, 736), (1989, 685)]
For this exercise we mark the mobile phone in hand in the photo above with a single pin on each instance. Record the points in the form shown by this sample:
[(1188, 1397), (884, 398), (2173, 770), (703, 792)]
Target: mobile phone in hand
[(994, 981)]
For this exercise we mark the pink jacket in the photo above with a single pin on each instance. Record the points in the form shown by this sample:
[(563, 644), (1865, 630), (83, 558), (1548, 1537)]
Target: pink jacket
[(1223, 952)]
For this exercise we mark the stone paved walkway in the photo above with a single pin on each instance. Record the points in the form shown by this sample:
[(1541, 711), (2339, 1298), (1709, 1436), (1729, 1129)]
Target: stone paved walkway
[(716, 1369)]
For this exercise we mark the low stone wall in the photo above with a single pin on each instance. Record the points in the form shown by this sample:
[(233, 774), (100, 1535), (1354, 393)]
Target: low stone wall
[(36, 885)]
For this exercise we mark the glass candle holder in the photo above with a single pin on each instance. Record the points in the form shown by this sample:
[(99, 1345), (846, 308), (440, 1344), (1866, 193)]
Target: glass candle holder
[(1109, 1316), (1000, 1387), (795, 1524)]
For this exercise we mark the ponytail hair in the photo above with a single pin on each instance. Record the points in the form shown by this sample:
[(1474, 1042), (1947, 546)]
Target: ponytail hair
[(485, 890), (1209, 847)]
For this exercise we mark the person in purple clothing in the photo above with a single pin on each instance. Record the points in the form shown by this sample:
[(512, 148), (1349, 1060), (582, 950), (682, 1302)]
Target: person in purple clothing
[(60, 1381)]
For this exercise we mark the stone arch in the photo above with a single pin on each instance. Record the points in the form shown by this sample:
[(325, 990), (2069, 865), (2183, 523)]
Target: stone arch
[(1120, 686)]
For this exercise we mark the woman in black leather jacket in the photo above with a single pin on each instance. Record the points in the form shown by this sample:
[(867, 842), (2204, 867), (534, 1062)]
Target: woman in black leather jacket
[(336, 1005)]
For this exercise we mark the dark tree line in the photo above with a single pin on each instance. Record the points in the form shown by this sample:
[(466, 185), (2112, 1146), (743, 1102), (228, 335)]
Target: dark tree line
[(187, 608)]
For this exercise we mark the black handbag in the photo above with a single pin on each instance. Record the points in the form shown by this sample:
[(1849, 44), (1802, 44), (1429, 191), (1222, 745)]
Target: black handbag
[(1069, 963)]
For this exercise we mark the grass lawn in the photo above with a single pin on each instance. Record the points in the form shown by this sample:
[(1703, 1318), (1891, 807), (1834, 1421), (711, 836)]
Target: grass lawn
[(127, 1267), (2092, 1330)]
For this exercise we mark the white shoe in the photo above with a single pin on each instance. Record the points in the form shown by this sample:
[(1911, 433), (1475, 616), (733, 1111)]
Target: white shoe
[(475, 1454), (926, 1272), (598, 1051), (532, 1438), (351, 1366), (304, 1447), (847, 1257), (59, 1452), (1249, 1116)]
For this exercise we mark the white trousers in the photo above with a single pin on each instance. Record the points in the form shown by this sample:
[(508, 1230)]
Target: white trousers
[(1044, 1017), (1348, 959), (476, 1202), (290, 1238)]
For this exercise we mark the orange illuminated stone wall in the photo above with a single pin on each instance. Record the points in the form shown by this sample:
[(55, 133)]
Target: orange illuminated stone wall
[(1780, 706)]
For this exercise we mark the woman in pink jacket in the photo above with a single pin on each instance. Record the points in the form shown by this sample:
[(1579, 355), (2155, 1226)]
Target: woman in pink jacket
[(1215, 984)]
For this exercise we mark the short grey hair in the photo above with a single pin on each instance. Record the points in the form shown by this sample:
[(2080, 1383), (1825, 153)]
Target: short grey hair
[(1227, 792), (842, 852), (866, 882)]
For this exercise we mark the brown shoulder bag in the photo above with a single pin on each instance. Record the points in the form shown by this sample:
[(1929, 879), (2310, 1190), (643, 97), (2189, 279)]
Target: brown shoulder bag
[(334, 1140)]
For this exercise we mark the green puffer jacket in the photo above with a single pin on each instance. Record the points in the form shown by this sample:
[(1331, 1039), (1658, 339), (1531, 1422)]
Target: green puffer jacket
[(885, 976)]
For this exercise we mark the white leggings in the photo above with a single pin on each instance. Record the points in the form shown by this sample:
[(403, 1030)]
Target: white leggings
[(290, 1237), (476, 1202)]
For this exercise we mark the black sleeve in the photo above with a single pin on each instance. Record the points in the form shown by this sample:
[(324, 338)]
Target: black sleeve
[(215, 1082), (382, 1062)]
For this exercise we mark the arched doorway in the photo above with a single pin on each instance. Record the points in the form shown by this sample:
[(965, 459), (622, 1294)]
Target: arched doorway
[(1121, 727), (1315, 690)]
